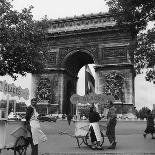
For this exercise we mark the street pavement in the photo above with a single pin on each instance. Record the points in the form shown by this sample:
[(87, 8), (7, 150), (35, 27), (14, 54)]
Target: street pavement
[(127, 144), (64, 144)]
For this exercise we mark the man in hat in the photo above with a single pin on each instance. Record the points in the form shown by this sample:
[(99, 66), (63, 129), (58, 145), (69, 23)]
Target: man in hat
[(111, 123)]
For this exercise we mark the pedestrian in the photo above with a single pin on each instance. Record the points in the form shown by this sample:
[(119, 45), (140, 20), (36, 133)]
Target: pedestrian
[(150, 129), (33, 126), (69, 118), (94, 128), (111, 124)]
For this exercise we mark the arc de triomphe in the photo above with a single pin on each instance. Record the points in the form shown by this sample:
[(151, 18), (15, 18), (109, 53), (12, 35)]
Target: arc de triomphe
[(75, 42)]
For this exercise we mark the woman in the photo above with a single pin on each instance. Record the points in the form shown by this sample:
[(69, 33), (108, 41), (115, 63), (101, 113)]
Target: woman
[(150, 125), (94, 128), (33, 126)]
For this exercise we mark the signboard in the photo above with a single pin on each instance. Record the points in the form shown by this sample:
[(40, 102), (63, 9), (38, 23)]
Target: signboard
[(12, 90), (91, 98)]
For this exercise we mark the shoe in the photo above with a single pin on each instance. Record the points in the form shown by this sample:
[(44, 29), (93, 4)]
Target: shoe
[(144, 135), (153, 137), (112, 146), (99, 148), (93, 147)]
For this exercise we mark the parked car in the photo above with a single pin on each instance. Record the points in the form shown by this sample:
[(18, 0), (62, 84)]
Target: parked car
[(13, 116), (119, 116), (40, 115), (43, 118), (129, 116)]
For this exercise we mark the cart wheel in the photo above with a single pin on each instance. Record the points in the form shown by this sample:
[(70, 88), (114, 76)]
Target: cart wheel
[(20, 146), (87, 139)]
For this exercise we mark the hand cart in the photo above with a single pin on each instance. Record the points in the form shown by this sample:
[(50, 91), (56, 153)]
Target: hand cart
[(13, 133), (82, 133), (13, 136)]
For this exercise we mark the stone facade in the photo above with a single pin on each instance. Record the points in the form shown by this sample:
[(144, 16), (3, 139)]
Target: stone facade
[(75, 42)]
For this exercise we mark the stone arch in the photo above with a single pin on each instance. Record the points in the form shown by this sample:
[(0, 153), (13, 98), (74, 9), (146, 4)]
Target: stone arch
[(76, 59), (75, 42)]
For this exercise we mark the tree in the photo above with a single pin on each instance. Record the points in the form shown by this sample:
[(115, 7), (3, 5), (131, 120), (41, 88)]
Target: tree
[(145, 54), (135, 15), (136, 112), (143, 112), (21, 41)]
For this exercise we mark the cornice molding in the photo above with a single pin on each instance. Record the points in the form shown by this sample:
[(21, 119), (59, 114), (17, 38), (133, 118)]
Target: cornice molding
[(81, 23)]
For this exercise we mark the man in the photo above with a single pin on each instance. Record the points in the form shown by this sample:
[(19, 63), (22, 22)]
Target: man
[(33, 126), (111, 123)]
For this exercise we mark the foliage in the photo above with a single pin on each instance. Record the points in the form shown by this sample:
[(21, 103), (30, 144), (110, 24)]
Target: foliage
[(21, 40), (143, 112), (136, 112), (145, 54), (134, 14)]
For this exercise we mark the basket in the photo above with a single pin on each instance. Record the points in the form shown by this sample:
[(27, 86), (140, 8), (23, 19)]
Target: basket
[(20, 131)]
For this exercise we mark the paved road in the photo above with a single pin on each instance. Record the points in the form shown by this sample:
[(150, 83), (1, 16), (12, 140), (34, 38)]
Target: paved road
[(129, 138)]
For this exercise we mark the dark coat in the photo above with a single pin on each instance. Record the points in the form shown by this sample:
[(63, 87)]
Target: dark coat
[(111, 125), (29, 113), (150, 124), (94, 117)]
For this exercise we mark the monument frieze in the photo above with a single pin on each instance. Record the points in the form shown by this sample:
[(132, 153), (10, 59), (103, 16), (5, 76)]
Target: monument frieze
[(114, 53), (84, 22), (51, 56)]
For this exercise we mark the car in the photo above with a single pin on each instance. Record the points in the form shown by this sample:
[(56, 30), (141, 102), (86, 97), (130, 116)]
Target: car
[(40, 115), (119, 116), (43, 118), (129, 116), (13, 116)]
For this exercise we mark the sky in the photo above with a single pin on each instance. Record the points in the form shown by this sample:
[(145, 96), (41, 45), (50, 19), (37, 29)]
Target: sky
[(54, 9)]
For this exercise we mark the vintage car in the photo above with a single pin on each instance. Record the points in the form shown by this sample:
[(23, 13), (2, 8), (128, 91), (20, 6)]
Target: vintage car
[(43, 118)]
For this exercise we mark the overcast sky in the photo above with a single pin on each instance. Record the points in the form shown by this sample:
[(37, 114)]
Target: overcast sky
[(144, 91), (61, 8)]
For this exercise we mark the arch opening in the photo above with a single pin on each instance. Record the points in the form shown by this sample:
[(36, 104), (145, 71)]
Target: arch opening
[(74, 62)]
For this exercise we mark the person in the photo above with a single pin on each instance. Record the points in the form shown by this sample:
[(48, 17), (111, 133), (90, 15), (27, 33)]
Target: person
[(94, 128), (33, 127), (69, 118), (111, 123), (150, 129)]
